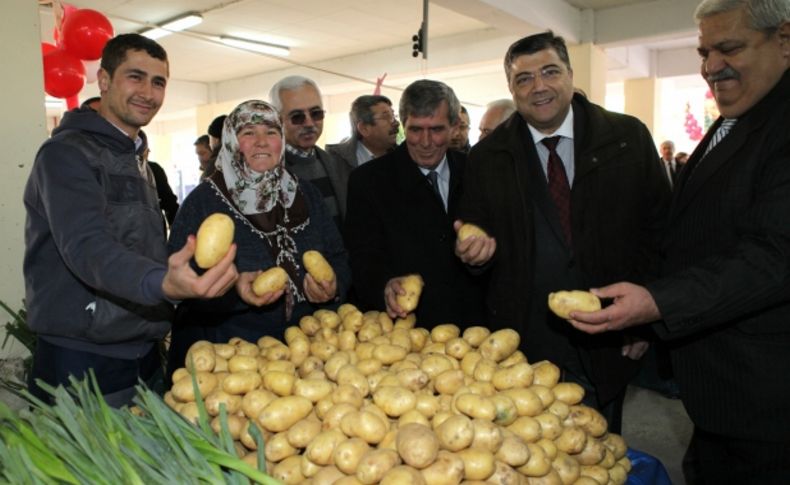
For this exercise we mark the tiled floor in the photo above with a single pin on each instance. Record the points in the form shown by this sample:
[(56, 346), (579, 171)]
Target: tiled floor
[(657, 426)]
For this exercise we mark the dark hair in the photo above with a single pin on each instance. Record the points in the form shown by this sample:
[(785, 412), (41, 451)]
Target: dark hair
[(362, 110), (88, 102), (203, 140), (215, 128), (423, 97), (464, 111), (536, 43), (114, 53)]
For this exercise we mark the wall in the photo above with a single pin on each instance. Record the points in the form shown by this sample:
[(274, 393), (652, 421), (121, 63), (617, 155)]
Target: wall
[(24, 128)]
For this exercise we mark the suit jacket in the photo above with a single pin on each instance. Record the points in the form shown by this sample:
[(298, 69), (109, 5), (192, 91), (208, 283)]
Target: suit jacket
[(726, 297), (345, 152), (395, 225), (619, 199)]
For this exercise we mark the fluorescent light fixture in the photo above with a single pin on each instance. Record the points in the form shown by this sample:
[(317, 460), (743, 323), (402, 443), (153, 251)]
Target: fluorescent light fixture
[(53, 103), (182, 22), (256, 46)]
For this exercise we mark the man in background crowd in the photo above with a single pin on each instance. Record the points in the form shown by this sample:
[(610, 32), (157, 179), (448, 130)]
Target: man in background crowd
[(374, 129), (205, 156), (298, 100), (496, 112), (460, 137)]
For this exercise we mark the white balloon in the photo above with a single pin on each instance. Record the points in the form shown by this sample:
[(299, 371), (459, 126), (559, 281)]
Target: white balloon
[(91, 69)]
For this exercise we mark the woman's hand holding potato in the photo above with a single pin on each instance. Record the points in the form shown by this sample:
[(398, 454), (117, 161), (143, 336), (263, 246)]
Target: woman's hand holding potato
[(397, 291), (473, 245), (248, 295), (319, 292)]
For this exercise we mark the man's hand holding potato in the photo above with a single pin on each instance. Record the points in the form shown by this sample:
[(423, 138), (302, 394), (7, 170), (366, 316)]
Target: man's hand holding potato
[(632, 305), (474, 249), (181, 282), (392, 289)]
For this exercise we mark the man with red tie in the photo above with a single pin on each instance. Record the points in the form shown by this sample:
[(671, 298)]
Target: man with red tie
[(724, 297), (570, 194)]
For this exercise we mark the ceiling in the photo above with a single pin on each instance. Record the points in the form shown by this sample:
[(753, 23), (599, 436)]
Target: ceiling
[(360, 39)]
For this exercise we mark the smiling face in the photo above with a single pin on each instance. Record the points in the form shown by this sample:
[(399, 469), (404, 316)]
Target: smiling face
[(301, 100), (542, 88), (260, 146), (134, 93), (427, 137), (740, 64)]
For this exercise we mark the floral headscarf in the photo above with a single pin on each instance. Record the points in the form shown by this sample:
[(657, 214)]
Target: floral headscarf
[(251, 191)]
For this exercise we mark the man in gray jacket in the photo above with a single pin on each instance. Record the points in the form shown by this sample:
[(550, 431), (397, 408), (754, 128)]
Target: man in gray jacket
[(99, 285), (374, 130)]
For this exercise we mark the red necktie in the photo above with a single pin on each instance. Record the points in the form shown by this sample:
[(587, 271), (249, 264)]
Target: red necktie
[(559, 188)]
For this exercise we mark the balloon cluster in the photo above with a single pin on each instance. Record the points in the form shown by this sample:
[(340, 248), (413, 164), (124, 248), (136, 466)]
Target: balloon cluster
[(74, 58), (693, 129)]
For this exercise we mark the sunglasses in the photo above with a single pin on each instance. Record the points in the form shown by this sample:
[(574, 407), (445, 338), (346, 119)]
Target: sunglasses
[(299, 117)]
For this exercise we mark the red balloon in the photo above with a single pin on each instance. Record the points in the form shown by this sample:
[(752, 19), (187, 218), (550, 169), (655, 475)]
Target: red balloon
[(64, 74), (84, 33), (72, 102), (46, 48)]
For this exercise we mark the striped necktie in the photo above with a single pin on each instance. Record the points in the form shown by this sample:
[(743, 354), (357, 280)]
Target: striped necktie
[(720, 133)]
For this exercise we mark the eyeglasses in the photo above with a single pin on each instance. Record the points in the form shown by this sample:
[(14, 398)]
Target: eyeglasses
[(386, 117), (299, 117), (547, 74)]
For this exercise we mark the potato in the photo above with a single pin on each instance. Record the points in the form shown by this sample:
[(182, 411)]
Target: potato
[(218, 396), (240, 383), (500, 344), (488, 436), (562, 303), (366, 425), (214, 237), (273, 279), (448, 469), (478, 463), (348, 454), (389, 354), (443, 333), (550, 425), (184, 392), (538, 464), (200, 357), (394, 400), (456, 432), (592, 454), (615, 444), (518, 375), (375, 464), (254, 401), (513, 452), (277, 448), (545, 374), (506, 411), (571, 440), (312, 389), (468, 230), (476, 406), (303, 432), (527, 402), (588, 419), (449, 381), (283, 412), (457, 347), (327, 475), (317, 266), (417, 445), (236, 424), (321, 449), (412, 379), (569, 392), (402, 474), (288, 471), (239, 363), (527, 428), (412, 284)]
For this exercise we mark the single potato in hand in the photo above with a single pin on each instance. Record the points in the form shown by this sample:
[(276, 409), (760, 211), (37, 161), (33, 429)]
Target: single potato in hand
[(562, 303), (273, 279), (317, 266), (412, 284), (214, 237), (467, 230)]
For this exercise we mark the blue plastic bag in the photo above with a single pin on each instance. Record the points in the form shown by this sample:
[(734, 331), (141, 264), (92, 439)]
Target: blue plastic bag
[(646, 470)]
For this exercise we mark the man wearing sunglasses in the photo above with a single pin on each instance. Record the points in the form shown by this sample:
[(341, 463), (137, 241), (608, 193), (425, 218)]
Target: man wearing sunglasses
[(374, 130), (298, 100)]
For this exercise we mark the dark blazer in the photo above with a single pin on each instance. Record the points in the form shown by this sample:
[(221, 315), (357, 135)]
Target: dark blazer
[(336, 170), (345, 152), (618, 204), (726, 298), (395, 225), (168, 201)]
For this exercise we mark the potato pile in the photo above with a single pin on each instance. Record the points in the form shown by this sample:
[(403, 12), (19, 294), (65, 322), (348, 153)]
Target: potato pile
[(353, 398)]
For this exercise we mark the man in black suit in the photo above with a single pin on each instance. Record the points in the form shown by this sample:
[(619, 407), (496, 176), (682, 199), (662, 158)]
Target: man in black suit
[(570, 194), (724, 302), (400, 216)]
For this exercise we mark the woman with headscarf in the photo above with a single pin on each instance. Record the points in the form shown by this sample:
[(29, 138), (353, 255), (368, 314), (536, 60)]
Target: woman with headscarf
[(277, 218)]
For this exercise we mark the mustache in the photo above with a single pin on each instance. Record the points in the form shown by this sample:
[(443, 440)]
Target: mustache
[(308, 130), (726, 73)]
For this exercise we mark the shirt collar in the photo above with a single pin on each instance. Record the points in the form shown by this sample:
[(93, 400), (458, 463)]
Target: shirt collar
[(565, 130), (299, 152), (442, 170), (138, 140)]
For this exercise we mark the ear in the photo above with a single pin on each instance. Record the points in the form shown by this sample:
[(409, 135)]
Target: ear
[(784, 39), (103, 80), (363, 129)]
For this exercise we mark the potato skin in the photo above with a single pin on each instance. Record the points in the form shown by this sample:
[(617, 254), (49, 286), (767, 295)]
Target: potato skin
[(467, 230), (318, 267), (273, 279), (213, 240), (562, 303), (413, 284)]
